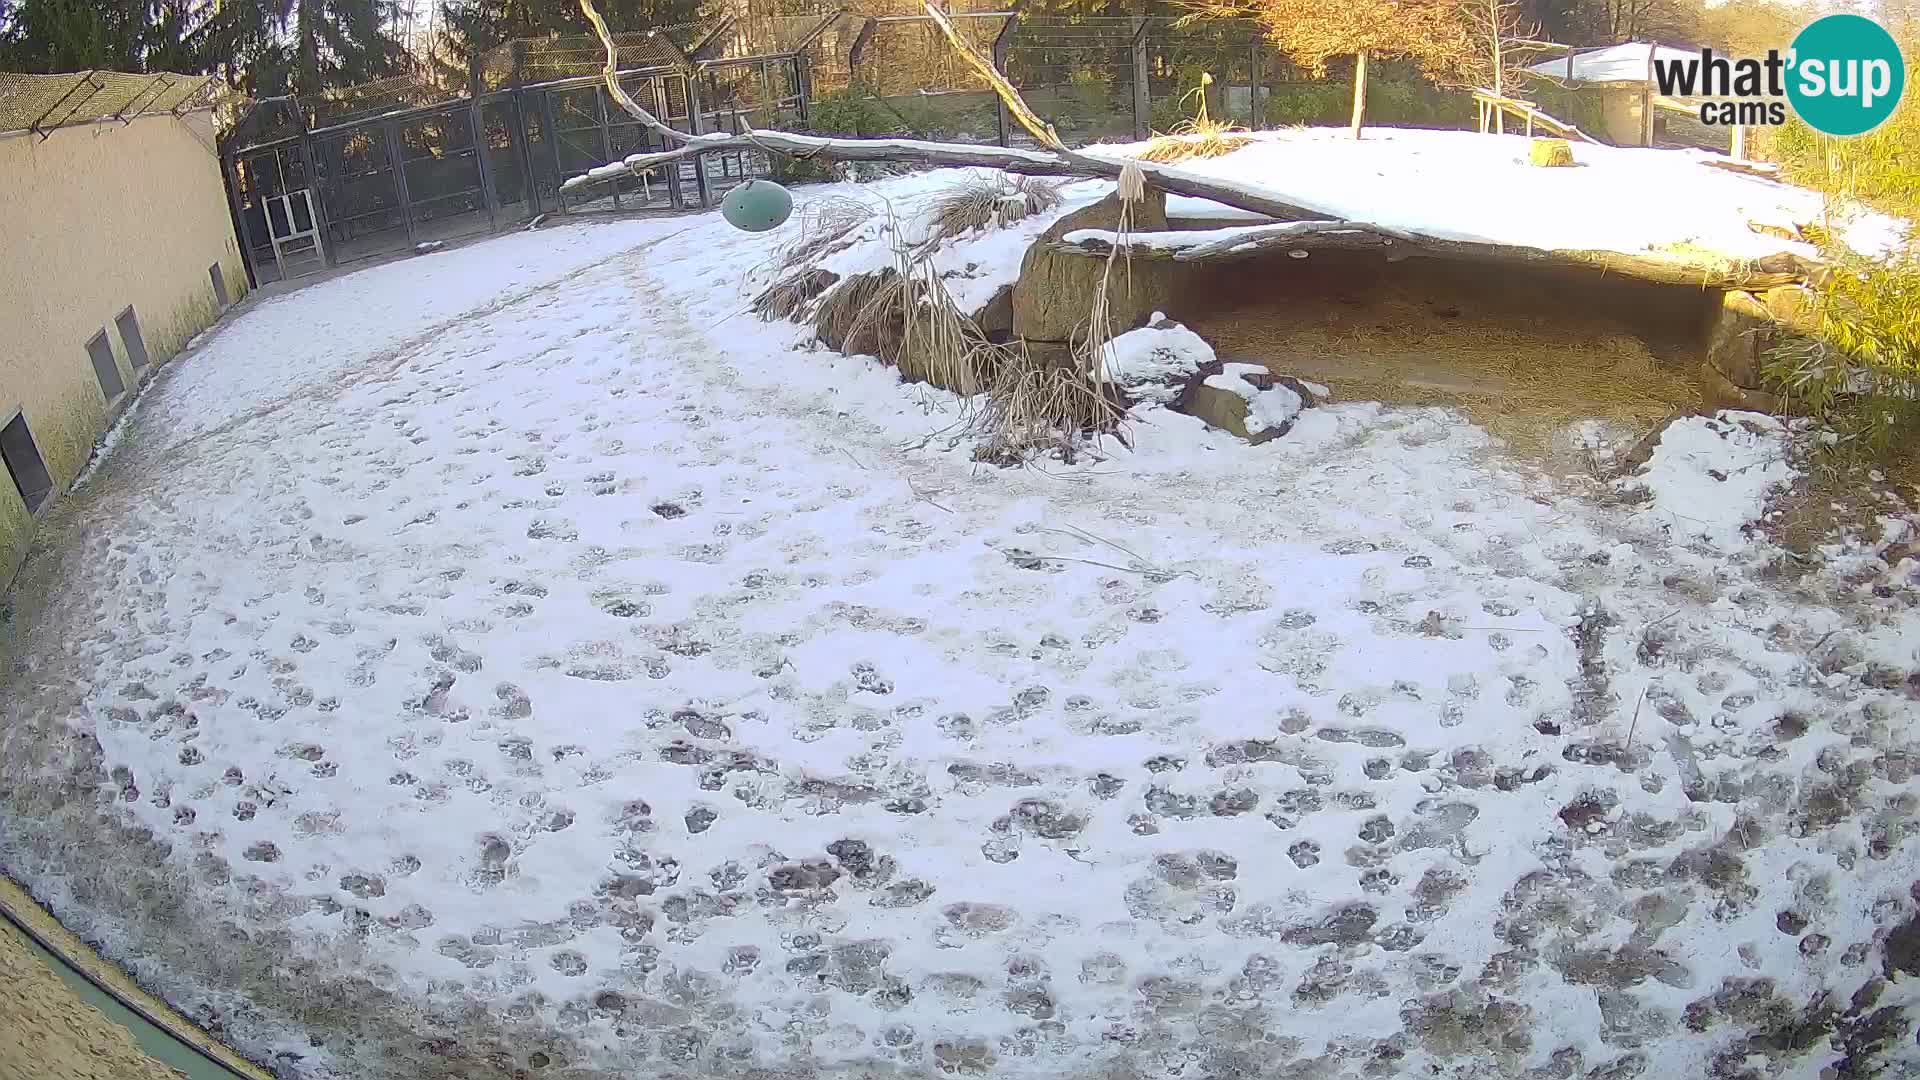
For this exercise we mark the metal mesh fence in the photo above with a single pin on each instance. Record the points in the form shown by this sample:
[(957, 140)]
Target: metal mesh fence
[(575, 56), (395, 94), (43, 103), (409, 161)]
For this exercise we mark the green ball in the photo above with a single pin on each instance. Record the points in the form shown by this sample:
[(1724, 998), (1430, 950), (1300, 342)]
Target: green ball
[(756, 206)]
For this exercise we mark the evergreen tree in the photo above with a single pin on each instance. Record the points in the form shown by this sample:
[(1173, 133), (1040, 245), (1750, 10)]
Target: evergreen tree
[(472, 28), (307, 46), (74, 35)]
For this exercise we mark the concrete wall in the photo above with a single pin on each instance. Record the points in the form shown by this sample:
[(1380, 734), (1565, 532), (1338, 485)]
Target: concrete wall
[(92, 219)]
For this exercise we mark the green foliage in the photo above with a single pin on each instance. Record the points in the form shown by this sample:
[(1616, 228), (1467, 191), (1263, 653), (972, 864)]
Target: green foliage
[(795, 170), (1880, 168), (848, 112), (118, 35), (1411, 102), (855, 111), (1583, 108), (1860, 373)]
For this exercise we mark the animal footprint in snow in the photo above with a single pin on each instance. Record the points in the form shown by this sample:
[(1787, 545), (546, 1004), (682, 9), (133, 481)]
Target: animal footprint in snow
[(492, 870), (867, 679)]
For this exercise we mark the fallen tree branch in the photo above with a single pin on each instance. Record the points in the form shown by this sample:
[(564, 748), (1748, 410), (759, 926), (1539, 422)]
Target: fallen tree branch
[(1305, 237)]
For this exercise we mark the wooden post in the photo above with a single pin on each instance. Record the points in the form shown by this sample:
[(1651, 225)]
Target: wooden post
[(1646, 99), (1359, 91), (1142, 97)]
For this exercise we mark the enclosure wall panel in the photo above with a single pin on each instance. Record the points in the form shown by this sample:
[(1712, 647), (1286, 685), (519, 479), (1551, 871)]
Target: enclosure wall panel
[(98, 218)]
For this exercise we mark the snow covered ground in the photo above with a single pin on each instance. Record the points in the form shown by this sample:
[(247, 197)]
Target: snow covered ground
[(536, 664)]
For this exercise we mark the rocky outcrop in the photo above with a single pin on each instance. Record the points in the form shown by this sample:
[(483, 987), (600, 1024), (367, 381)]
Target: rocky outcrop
[(1247, 400), (1748, 326), (1737, 344), (1055, 291)]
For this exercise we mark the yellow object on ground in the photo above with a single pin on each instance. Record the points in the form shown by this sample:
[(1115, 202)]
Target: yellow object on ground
[(1550, 153)]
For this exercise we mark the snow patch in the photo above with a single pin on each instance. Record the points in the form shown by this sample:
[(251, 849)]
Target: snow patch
[(1711, 476), (1153, 363)]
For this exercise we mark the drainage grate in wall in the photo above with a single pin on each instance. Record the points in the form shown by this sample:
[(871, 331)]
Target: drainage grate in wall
[(105, 368), (23, 463), (129, 325)]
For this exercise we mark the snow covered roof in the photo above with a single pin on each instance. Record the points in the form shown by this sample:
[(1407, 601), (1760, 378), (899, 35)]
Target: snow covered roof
[(1615, 63)]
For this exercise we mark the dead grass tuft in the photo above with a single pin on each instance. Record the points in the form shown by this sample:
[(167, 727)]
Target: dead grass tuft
[(905, 316), (791, 296), (1198, 137), (987, 201), (826, 226), (1187, 142), (1036, 406)]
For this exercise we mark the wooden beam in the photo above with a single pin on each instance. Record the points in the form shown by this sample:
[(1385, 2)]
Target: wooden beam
[(1301, 239)]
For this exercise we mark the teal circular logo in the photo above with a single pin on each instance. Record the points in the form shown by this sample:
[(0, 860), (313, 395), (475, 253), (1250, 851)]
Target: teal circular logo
[(1845, 74)]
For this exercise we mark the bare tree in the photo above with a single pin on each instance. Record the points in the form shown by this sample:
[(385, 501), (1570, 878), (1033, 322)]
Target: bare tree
[(1505, 45), (1432, 33)]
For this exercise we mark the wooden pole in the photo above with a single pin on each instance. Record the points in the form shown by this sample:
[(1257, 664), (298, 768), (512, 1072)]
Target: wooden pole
[(1359, 91)]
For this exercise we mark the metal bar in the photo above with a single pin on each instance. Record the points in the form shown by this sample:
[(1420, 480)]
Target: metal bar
[(606, 141), (330, 157), (1253, 83), (680, 58), (195, 92), (553, 145), (86, 79), (1142, 99), (396, 153), (694, 124), (482, 164), (802, 88), (773, 99), (860, 41), (1001, 43), (700, 47), (158, 80), (812, 35), (231, 163)]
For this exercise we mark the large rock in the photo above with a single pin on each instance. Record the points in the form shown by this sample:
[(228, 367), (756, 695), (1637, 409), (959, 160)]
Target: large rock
[(995, 320), (1795, 307), (1054, 295), (1742, 333), (1717, 392), (1246, 400)]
